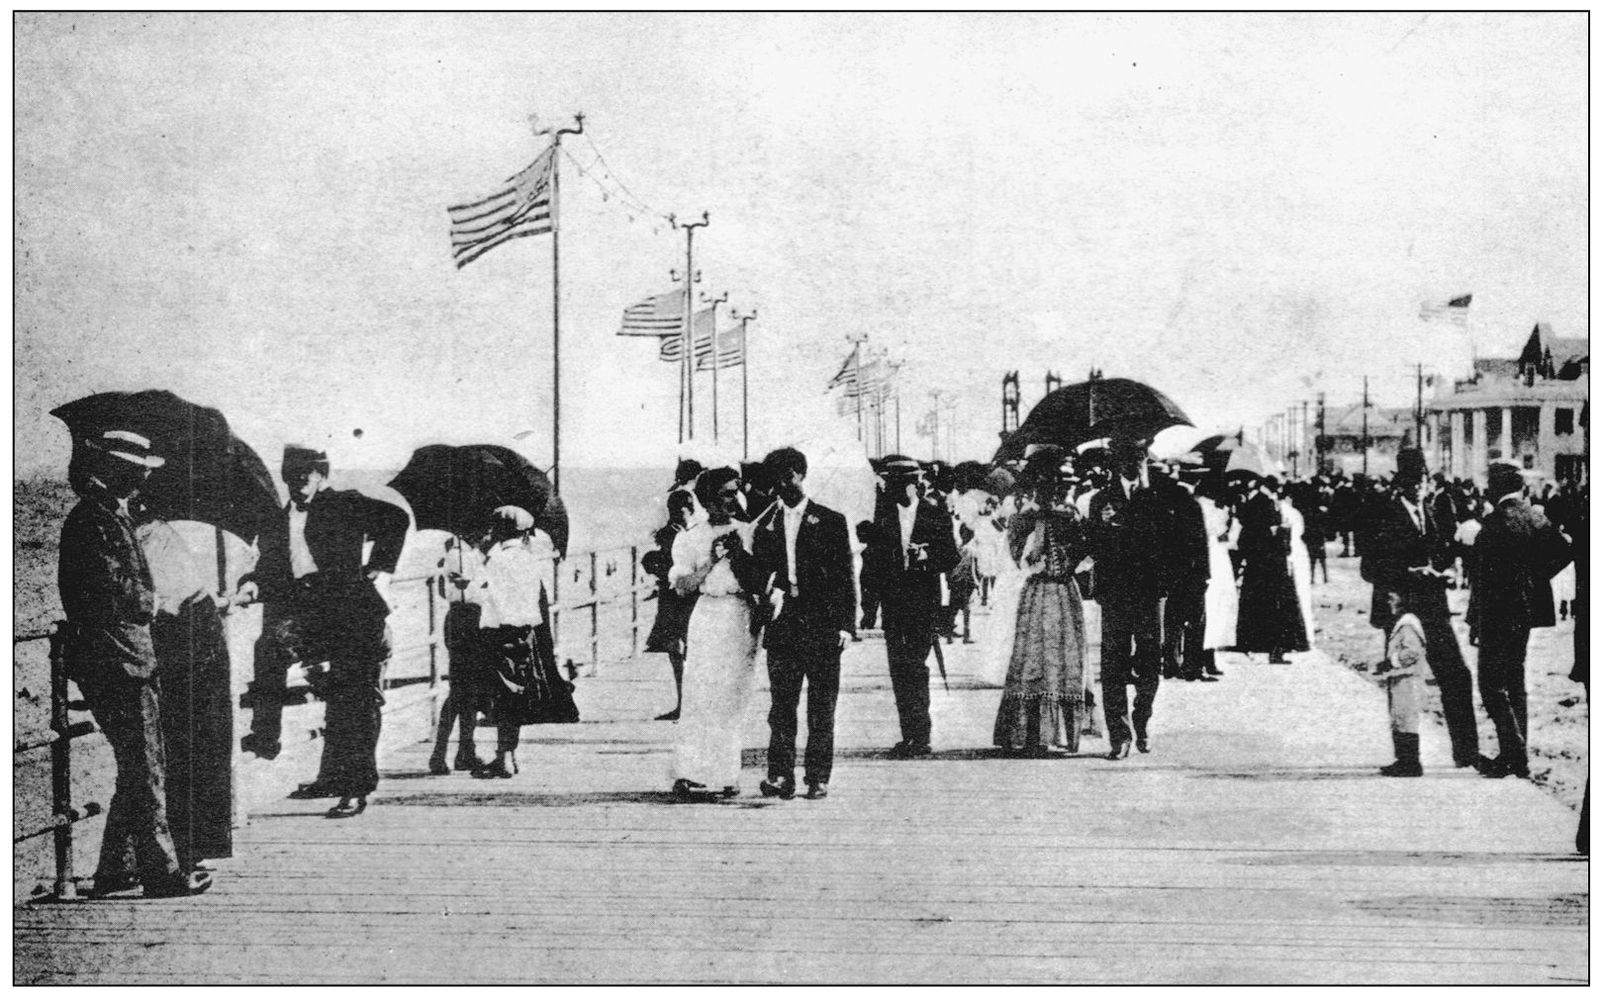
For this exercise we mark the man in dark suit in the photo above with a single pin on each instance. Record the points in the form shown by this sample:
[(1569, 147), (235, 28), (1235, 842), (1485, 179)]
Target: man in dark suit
[(803, 550), (110, 601), (324, 606), (1403, 553), (1517, 552), (1188, 550), (1131, 529), (915, 541)]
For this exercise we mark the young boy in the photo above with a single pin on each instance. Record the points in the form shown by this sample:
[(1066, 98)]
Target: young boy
[(1401, 670)]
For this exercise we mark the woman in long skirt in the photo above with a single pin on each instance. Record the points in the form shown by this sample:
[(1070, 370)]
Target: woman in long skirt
[(712, 560), (674, 610), (1268, 615), (1044, 693), (523, 683), (1220, 595)]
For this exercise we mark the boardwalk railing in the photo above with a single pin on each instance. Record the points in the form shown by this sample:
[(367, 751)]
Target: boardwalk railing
[(597, 615)]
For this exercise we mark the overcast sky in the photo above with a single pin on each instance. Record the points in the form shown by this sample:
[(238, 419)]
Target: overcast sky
[(250, 211)]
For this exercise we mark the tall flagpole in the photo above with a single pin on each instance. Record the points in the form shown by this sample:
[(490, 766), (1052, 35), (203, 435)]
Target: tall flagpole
[(557, 298)]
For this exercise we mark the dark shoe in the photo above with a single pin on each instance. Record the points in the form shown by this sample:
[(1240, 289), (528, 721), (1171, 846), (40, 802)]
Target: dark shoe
[(1402, 769), (673, 714), (467, 761), (817, 791), (1278, 658), (781, 788), (684, 787), (1212, 670), (108, 885), (919, 751), (176, 886), (898, 750), (1120, 752), (1471, 761), (313, 790), (347, 807), (438, 766), (730, 792), (260, 746), (505, 766), (1142, 743)]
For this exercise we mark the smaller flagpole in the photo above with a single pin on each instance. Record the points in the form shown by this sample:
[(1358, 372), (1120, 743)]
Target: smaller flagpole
[(687, 337), (713, 332), (744, 318)]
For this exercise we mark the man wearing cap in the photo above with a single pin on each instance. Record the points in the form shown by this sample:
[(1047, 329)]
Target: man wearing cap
[(1517, 553), (1404, 553), (323, 604), (915, 539), (1130, 528), (110, 601)]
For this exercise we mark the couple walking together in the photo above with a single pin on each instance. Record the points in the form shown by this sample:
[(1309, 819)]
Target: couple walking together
[(786, 576)]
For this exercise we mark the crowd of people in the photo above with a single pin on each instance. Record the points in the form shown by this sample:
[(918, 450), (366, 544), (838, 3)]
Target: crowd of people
[(1181, 559)]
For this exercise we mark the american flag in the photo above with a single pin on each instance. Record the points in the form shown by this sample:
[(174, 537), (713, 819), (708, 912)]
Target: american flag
[(1454, 312), (655, 316), (861, 377), (522, 209), (730, 355)]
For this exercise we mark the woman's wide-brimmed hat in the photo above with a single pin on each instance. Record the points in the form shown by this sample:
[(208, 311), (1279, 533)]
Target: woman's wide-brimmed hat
[(127, 445)]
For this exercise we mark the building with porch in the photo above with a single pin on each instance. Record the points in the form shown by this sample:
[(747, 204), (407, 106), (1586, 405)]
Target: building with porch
[(1531, 409)]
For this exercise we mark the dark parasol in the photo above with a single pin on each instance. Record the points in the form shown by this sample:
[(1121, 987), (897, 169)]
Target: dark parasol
[(210, 476), (455, 489), (1084, 411)]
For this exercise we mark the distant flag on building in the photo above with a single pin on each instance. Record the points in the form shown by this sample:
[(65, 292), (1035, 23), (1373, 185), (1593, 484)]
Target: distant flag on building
[(655, 316), (1454, 312), (522, 209)]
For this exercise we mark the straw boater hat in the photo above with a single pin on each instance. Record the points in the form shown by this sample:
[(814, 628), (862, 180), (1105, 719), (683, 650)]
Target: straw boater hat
[(128, 446), (521, 519), (900, 467)]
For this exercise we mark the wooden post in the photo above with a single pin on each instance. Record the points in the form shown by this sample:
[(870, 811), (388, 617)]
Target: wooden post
[(594, 608), (61, 771), (635, 600)]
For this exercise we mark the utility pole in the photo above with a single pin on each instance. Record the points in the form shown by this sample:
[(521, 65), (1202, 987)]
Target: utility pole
[(744, 318), (897, 408), (1420, 440), (715, 355), (1304, 439), (1320, 431), (689, 383), (1365, 425), (936, 421)]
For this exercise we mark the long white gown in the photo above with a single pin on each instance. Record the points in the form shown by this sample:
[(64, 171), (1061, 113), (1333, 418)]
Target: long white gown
[(1299, 561), (719, 666), (1220, 596)]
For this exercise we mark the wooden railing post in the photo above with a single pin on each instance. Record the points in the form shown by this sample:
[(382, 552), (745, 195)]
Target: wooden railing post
[(635, 601), (434, 655), (61, 770), (595, 606)]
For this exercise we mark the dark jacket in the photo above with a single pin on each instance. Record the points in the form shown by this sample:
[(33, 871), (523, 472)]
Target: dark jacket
[(1395, 545), (106, 591), (339, 522), (823, 604), (1517, 552), (914, 588), (1187, 547), (1130, 541)]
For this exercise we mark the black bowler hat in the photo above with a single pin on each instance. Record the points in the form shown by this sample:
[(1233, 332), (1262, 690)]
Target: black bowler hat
[(1503, 479), (299, 460)]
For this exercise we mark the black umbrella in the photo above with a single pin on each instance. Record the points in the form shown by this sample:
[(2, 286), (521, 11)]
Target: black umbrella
[(211, 476), (1084, 411), (455, 489)]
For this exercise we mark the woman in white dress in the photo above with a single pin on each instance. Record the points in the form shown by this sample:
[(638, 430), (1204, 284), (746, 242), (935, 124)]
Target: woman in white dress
[(1220, 595), (1299, 557), (712, 561)]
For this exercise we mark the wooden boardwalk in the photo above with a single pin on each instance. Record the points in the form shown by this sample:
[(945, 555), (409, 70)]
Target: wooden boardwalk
[(1255, 845)]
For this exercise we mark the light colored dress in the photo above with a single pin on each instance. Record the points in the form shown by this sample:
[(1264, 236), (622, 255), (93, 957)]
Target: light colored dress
[(1043, 701), (1220, 596), (1299, 558), (719, 665)]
